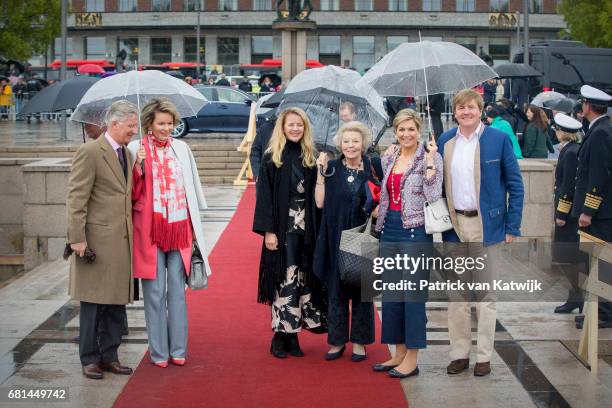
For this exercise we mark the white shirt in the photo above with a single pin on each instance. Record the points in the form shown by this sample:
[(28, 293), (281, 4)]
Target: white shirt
[(595, 120), (462, 171)]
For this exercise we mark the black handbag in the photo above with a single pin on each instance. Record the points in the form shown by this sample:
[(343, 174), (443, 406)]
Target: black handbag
[(198, 277), (356, 254)]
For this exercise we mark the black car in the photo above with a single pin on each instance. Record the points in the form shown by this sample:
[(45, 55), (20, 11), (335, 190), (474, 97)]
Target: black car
[(228, 111)]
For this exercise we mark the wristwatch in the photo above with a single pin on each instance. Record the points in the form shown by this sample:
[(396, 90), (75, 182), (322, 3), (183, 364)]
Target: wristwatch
[(432, 167)]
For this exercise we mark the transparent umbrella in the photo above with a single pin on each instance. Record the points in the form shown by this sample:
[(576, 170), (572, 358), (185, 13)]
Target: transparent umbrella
[(138, 87), (427, 68), (331, 96), (546, 96)]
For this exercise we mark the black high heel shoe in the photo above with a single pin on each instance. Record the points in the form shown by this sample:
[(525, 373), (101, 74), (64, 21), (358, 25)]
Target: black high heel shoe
[(277, 348), (336, 355), (568, 307)]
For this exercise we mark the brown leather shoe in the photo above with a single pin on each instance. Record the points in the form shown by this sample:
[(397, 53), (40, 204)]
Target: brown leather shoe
[(457, 366), (116, 367), (482, 369), (93, 371)]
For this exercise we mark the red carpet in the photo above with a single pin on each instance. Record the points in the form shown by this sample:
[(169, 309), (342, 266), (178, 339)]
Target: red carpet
[(228, 362)]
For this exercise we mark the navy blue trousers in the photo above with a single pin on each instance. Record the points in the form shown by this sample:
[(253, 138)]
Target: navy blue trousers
[(404, 322)]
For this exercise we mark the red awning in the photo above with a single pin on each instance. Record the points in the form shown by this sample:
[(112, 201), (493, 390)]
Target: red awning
[(90, 69), (78, 63)]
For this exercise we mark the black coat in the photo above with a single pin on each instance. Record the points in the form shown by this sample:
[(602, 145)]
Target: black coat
[(563, 250), (271, 215), (565, 180), (341, 210), (594, 174), (260, 144)]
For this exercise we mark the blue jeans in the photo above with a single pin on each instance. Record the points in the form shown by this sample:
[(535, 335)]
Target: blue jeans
[(404, 322)]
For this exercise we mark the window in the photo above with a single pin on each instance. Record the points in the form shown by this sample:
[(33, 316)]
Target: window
[(160, 5), (329, 50), (499, 49), (95, 47), (261, 48), (127, 5), (467, 42), (262, 5), (465, 5), (94, 6), (227, 95), (395, 40), (191, 5), (499, 6), (190, 49), (398, 5), (363, 52), (208, 93), (130, 45), (364, 5), (57, 49), (161, 50), (330, 5), (432, 5), (535, 6), (228, 5), (227, 51)]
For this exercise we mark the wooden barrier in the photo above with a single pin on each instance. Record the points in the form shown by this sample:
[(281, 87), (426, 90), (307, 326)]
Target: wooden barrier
[(599, 284), (246, 172)]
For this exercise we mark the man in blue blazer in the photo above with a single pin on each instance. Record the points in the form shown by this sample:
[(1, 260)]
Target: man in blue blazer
[(484, 190)]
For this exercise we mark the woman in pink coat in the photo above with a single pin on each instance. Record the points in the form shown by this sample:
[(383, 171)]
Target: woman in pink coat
[(166, 204)]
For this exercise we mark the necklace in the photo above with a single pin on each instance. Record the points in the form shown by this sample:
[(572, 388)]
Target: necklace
[(351, 171), (397, 200)]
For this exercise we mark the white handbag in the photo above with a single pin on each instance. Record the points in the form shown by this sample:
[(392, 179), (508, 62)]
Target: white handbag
[(437, 217)]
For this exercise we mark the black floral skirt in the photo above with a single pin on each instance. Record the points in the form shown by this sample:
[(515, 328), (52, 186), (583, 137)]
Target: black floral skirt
[(293, 308)]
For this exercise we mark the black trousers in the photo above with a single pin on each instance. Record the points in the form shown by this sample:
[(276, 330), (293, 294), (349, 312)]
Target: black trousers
[(100, 331), (361, 316)]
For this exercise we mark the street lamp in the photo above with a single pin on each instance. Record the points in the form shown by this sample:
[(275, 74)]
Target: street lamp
[(526, 32), (198, 42), (64, 8)]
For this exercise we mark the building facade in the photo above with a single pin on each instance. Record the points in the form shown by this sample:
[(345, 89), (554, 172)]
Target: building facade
[(352, 33)]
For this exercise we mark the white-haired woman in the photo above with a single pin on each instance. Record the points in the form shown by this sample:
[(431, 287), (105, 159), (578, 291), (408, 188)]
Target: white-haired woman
[(285, 214), (343, 196)]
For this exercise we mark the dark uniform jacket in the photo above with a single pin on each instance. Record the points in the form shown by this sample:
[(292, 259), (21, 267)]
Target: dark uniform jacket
[(565, 179), (593, 194)]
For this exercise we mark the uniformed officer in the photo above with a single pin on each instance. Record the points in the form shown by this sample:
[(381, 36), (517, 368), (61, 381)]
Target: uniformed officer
[(568, 260), (593, 195)]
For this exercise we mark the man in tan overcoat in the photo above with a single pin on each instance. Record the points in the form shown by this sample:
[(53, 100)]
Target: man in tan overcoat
[(99, 217)]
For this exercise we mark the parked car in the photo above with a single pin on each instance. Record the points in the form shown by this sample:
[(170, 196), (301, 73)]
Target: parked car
[(228, 111)]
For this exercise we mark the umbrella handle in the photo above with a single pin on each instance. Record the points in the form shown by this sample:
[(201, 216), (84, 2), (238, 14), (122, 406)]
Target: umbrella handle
[(327, 174)]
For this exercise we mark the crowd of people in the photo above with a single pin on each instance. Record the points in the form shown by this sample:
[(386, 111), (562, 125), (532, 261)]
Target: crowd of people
[(487, 211), (137, 205)]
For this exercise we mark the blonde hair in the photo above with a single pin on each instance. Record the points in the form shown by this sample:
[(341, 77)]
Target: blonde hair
[(354, 126), (564, 136), (161, 105), (465, 96), (279, 140), (407, 114)]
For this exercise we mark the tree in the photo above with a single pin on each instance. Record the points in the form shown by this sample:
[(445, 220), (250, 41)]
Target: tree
[(27, 27), (588, 21)]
